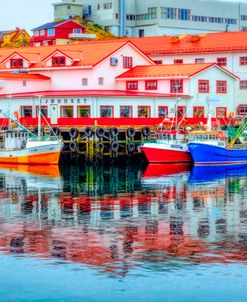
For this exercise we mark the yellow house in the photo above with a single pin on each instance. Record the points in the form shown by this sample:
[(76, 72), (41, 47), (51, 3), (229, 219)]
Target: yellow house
[(14, 38)]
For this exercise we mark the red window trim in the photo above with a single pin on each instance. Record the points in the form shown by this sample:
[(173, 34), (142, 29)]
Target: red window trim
[(42, 107), (178, 61), (129, 61), (181, 107), (198, 90), (154, 81), (240, 84), (149, 110), (59, 58), (83, 106), (20, 66), (30, 107), (225, 109), (217, 86), (131, 111), (128, 82), (62, 107), (243, 63), (203, 111), (238, 109), (106, 106), (163, 107), (224, 59), (182, 81)]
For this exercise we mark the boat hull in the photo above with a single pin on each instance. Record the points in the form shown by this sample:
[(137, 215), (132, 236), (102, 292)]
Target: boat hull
[(41, 155), (205, 154), (159, 155)]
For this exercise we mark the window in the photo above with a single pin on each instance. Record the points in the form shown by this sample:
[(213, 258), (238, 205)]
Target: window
[(176, 86), (68, 6), (24, 83), (77, 30), (50, 32), (101, 81), (221, 61), (132, 85), (199, 60), (127, 62), (16, 63), (198, 111), (181, 111), (66, 111), (58, 61), (84, 82), (141, 33), (158, 62), (162, 111), (220, 112), (107, 5), (98, 6), (203, 86), (83, 111), (143, 111), (42, 32), (36, 33), (43, 109), (243, 61), (151, 85), (243, 84), (221, 86), (116, 15), (242, 110), (106, 111), (125, 111), (178, 61), (26, 111)]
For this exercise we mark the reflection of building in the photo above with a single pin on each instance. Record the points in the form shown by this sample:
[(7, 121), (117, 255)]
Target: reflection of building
[(110, 218)]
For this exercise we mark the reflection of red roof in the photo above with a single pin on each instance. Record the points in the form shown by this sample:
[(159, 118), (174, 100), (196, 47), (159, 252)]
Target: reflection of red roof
[(170, 70)]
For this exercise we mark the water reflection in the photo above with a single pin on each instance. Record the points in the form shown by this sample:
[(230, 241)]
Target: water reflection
[(112, 218)]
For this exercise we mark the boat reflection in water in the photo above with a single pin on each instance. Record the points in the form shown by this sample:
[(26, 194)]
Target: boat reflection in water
[(114, 219)]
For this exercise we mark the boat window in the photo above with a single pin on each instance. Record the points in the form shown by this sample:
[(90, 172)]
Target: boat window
[(174, 136), (16, 134)]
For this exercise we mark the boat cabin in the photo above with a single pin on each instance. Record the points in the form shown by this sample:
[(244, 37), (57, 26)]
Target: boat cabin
[(162, 135), (13, 139)]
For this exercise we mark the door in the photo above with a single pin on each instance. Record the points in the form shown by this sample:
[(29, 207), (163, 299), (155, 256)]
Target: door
[(54, 114)]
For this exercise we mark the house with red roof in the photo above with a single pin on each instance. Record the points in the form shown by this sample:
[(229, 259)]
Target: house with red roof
[(59, 32), (110, 79)]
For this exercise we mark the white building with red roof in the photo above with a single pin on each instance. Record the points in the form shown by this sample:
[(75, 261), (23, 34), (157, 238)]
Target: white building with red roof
[(109, 79)]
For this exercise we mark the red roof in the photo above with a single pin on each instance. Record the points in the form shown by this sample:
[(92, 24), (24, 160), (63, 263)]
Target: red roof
[(171, 70), (201, 43), (22, 76), (87, 93), (86, 54)]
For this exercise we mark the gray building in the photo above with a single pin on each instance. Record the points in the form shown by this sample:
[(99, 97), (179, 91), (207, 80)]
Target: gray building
[(138, 18)]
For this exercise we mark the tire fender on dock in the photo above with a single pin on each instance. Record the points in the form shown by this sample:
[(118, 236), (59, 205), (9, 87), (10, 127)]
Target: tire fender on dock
[(73, 133), (146, 131), (131, 132), (88, 131), (131, 147), (114, 146), (55, 130), (73, 146), (114, 131), (100, 147), (100, 132)]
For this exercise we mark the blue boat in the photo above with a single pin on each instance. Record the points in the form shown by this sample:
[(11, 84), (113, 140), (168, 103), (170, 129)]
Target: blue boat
[(220, 149)]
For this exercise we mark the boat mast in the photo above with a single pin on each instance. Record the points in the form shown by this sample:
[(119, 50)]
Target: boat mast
[(39, 118)]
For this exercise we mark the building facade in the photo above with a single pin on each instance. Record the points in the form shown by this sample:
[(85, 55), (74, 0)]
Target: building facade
[(118, 82), (14, 38), (138, 18)]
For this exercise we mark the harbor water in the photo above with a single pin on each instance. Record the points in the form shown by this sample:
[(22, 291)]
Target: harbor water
[(123, 233)]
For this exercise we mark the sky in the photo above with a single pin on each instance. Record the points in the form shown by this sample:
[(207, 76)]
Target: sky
[(29, 14)]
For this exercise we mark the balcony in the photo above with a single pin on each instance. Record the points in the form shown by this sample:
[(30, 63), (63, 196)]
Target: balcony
[(82, 36)]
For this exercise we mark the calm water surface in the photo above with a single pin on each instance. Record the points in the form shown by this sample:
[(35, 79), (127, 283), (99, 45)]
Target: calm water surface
[(132, 233)]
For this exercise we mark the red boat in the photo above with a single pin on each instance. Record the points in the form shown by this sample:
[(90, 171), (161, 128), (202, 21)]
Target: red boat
[(169, 147)]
